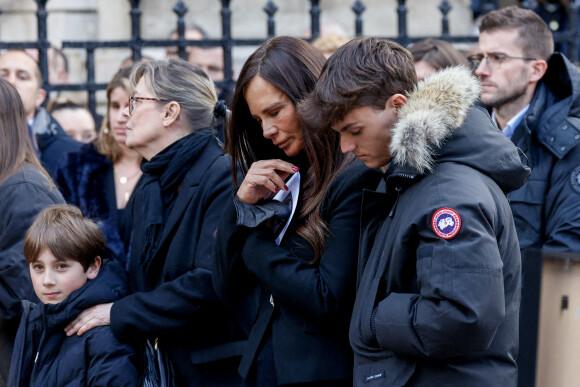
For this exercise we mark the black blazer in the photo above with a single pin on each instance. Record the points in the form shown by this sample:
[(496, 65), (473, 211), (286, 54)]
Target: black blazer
[(310, 305), (173, 297)]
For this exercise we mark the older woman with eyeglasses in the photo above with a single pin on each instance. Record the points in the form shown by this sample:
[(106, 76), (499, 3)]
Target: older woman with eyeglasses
[(175, 216), (101, 177)]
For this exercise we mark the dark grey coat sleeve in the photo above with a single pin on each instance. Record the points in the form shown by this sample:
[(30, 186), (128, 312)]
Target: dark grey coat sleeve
[(562, 210), (22, 197)]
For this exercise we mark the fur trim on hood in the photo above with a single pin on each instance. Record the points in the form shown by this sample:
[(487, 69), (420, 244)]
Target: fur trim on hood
[(438, 105)]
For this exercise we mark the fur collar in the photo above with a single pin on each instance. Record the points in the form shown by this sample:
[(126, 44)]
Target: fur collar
[(438, 105)]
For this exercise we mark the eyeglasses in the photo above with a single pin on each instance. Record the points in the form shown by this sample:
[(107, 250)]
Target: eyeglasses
[(133, 99), (493, 60)]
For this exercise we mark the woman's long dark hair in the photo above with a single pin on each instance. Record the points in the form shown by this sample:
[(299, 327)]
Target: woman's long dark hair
[(15, 143), (293, 66)]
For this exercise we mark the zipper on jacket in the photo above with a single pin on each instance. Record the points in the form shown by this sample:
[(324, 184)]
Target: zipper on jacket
[(34, 372), (394, 207), (405, 175), (395, 178)]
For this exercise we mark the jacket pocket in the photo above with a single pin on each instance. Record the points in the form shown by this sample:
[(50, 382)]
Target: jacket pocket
[(218, 352), (527, 205), (367, 335), (533, 192), (424, 268)]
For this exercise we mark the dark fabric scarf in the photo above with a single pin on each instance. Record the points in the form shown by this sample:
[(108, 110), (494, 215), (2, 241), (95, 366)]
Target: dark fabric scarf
[(162, 176)]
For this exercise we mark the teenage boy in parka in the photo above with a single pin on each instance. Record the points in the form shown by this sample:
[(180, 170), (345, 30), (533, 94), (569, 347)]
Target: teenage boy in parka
[(63, 250), (439, 265)]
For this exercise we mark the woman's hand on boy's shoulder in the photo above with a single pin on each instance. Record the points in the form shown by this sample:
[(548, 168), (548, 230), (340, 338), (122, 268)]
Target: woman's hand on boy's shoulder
[(95, 316)]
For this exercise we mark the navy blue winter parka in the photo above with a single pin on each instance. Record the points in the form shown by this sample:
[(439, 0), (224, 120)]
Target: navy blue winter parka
[(547, 208), (439, 286), (45, 357)]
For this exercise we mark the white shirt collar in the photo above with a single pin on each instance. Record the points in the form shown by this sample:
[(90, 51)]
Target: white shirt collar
[(512, 124)]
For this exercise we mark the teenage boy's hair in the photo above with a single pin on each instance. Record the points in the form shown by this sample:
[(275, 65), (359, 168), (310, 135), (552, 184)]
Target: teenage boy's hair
[(362, 72), (66, 233), (534, 35)]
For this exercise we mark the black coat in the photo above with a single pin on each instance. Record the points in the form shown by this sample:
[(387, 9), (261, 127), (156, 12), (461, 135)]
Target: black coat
[(547, 208), (173, 297), (86, 179), (439, 291), (22, 196), (45, 357), (306, 306)]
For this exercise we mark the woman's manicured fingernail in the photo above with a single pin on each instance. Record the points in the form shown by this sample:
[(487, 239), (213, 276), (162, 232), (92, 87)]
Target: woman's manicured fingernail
[(295, 168), (285, 188)]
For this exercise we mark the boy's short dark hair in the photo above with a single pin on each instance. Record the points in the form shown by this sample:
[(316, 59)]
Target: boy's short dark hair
[(66, 233), (362, 72)]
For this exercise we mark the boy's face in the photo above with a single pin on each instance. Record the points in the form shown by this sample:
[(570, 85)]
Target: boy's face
[(366, 132), (55, 279)]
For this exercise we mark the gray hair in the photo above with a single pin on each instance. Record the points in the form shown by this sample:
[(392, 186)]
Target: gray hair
[(174, 79)]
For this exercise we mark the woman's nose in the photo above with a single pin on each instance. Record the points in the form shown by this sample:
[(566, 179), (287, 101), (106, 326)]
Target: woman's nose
[(268, 129), (124, 114)]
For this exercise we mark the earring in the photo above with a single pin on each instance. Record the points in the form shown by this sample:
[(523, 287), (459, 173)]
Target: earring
[(106, 130)]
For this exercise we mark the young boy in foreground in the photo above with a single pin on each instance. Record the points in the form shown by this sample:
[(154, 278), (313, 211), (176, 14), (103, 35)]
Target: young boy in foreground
[(64, 252)]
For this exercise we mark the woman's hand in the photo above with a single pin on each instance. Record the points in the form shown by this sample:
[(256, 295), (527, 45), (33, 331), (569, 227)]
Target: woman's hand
[(93, 317), (263, 178)]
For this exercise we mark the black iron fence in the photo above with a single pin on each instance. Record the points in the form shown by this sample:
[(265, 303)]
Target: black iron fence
[(569, 39)]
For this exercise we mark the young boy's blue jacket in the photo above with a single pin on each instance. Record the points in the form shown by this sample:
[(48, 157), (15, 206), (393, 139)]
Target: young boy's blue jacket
[(45, 356)]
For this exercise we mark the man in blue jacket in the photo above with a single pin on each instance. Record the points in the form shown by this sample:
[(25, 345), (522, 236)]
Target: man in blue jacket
[(534, 95), (48, 138)]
